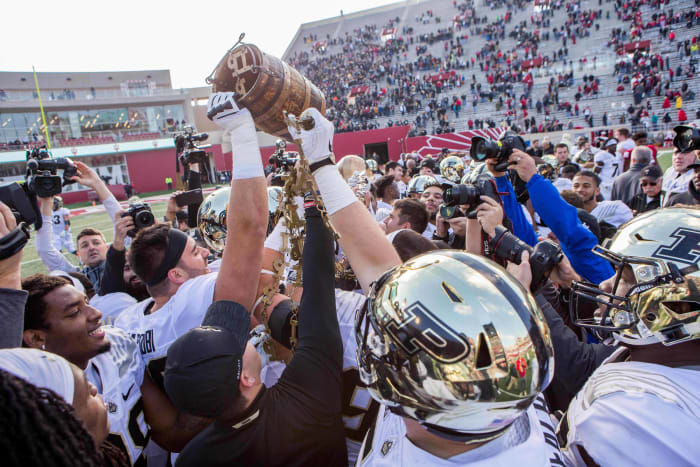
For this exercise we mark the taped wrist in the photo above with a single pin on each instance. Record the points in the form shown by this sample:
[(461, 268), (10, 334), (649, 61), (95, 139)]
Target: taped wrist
[(247, 162), (335, 192)]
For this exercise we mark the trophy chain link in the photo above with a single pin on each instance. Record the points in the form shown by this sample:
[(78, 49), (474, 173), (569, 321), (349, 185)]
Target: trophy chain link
[(298, 182)]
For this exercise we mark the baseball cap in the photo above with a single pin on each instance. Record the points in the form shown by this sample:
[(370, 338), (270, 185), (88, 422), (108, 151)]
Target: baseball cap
[(204, 365), (430, 163), (694, 165), (652, 171)]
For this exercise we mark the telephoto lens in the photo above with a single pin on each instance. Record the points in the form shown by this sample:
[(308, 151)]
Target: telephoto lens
[(543, 257)]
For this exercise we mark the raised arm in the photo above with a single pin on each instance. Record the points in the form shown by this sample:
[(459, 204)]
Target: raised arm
[(246, 217), (88, 177), (50, 256), (363, 242)]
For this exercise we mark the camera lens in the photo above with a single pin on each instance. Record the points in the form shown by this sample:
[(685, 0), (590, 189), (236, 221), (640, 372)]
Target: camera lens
[(462, 194), (144, 219), (480, 150)]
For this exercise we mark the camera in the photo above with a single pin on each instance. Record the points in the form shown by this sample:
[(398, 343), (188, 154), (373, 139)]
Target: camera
[(142, 216), (41, 173), (687, 138), (22, 203), (468, 194), (482, 149), (543, 257), (185, 146)]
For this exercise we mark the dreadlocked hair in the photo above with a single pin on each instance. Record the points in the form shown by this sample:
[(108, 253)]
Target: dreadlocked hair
[(39, 428)]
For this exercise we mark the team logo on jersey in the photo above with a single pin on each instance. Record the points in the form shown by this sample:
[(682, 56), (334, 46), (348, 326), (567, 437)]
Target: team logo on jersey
[(386, 447), (420, 329), (145, 341), (685, 249), (112, 407)]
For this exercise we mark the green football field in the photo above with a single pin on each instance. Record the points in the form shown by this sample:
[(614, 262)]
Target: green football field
[(31, 263)]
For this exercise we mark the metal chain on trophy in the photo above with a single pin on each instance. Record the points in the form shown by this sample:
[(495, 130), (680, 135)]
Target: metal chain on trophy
[(298, 183)]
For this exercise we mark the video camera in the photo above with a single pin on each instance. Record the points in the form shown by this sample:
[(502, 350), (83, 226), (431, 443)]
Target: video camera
[(189, 152), (687, 138), (22, 203), (482, 149), (142, 216), (41, 173), (468, 194), (543, 257)]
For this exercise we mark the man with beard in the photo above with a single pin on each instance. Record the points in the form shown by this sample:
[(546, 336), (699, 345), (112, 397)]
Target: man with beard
[(615, 213), (431, 197), (174, 268)]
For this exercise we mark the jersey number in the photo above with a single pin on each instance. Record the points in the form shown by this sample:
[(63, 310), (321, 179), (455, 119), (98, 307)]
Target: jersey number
[(138, 437), (56, 220), (617, 167), (359, 409)]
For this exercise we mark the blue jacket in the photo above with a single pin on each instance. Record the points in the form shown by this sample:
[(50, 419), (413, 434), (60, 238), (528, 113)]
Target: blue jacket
[(562, 219)]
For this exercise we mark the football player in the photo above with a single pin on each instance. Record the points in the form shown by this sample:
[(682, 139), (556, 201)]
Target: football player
[(59, 319), (651, 307), (607, 166), (458, 364), (61, 226)]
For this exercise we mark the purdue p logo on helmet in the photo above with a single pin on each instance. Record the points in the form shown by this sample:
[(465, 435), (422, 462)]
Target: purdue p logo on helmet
[(453, 341)]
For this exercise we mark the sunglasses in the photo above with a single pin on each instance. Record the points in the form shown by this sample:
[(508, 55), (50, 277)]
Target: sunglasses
[(649, 183)]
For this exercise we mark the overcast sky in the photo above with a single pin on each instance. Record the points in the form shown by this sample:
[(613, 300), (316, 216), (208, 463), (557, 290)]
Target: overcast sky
[(186, 37)]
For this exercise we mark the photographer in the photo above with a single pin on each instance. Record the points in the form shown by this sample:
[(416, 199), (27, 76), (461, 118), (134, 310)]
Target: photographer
[(562, 218), (92, 247), (12, 297)]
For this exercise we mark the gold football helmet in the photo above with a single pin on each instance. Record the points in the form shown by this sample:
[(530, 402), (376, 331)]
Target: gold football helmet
[(452, 340), (418, 183), (211, 219), (452, 168), (656, 256)]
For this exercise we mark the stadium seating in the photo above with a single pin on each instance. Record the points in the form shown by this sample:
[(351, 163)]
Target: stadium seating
[(428, 17)]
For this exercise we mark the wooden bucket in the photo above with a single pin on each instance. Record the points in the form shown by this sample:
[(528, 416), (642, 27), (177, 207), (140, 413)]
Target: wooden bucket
[(266, 86)]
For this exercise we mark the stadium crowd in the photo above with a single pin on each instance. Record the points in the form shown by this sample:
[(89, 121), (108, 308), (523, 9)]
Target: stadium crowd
[(368, 73), (538, 305)]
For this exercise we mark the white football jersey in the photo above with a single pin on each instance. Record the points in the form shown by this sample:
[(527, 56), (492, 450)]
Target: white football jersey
[(609, 166), (634, 413), (614, 213), (155, 332), (529, 441), (112, 304), (118, 375), (59, 223)]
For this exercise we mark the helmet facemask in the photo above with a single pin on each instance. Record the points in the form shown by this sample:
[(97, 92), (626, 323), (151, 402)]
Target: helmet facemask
[(637, 309)]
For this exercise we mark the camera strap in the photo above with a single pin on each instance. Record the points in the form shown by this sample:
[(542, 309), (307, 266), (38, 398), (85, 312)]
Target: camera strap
[(177, 240), (12, 243)]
